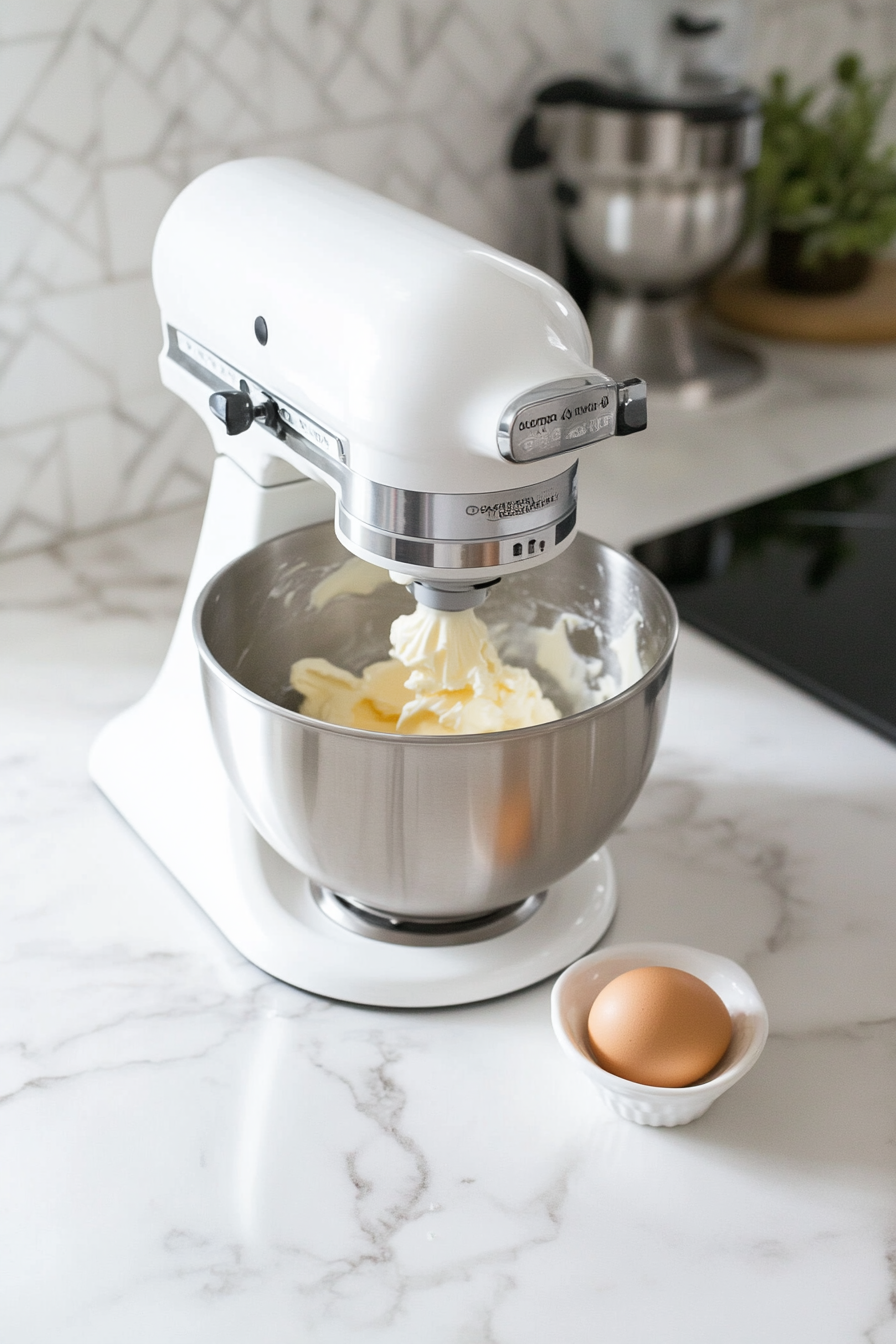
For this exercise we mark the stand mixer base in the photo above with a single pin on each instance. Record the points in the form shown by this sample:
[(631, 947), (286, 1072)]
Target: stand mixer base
[(335, 961), (370, 923)]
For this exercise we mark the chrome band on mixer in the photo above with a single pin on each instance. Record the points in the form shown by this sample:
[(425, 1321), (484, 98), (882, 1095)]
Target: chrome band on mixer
[(469, 532), (459, 517), (455, 554)]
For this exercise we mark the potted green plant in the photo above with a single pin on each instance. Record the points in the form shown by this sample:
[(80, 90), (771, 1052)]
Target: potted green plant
[(823, 190)]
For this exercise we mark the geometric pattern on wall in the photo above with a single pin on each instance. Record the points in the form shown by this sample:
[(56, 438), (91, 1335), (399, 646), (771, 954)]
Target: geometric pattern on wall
[(108, 107)]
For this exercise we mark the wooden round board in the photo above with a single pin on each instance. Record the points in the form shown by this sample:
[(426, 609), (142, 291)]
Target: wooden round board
[(864, 316)]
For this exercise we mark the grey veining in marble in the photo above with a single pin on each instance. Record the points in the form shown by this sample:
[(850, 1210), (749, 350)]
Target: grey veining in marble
[(192, 1152)]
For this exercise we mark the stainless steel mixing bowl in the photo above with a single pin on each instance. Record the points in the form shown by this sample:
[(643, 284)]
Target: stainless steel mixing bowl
[(447, 828)]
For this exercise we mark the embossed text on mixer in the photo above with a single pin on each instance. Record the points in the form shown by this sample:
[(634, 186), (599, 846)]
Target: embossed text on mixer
[(540, 420), (513, 508)]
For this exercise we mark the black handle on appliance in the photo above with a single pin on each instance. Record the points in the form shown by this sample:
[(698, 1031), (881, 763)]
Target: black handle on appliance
[(694, 25), (526, 150), (631, 408)]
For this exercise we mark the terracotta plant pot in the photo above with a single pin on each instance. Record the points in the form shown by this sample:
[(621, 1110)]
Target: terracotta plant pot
[(832, 275)]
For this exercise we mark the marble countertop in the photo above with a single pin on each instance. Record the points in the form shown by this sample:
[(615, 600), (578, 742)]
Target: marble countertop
[(819, 410), (192, 1152)]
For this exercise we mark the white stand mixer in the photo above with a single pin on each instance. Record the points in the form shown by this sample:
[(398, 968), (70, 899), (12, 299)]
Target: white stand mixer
[(335, 342)]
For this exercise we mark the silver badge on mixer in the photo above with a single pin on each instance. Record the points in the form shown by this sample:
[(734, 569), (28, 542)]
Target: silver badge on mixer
[(557, 418)]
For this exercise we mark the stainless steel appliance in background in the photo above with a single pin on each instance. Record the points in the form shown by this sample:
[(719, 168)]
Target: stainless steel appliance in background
[(649, 182)]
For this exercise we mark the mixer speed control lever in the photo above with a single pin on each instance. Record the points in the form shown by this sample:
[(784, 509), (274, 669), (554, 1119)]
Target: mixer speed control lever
[(238, 413)]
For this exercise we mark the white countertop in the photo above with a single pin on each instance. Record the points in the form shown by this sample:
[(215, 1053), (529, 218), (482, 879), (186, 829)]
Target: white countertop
[(819, 410), (196, 1154)]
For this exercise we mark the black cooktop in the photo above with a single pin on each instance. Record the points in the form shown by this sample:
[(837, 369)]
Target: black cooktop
[(804, 583)]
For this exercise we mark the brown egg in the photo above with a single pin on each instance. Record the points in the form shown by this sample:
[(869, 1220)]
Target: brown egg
[(659, 1026)]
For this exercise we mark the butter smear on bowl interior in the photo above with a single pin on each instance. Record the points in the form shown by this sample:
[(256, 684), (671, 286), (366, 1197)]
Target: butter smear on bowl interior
[(446, 677)]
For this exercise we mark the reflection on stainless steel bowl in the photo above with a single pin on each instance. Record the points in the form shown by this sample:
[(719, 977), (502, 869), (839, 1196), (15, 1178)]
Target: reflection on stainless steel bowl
[(448, 827)]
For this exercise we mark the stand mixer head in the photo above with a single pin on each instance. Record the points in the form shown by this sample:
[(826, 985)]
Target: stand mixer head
[(441, 389)]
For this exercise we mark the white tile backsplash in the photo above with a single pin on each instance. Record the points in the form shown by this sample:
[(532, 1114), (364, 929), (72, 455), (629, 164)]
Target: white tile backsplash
[(108, 107)]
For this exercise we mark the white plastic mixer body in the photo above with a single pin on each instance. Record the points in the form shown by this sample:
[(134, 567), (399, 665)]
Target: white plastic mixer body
[(356, 362)]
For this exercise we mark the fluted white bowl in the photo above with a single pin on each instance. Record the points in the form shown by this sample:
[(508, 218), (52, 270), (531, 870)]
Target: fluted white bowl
[(578, 987)]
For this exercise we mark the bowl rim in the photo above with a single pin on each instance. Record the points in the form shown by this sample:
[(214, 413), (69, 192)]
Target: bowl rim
[(426, 739), (614, 1081)]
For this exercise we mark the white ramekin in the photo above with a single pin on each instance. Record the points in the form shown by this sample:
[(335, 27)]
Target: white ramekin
[(578, 987)]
